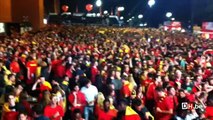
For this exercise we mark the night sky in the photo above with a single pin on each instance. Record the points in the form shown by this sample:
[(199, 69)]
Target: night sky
[(182, 9)]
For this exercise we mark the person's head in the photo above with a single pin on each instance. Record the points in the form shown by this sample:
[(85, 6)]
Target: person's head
[(38, 110), (66, 78), (54, 99), (160, 92), (210, 99), (77, 114), (171, 90), (107, 104), (22, 116), (158, 80), (12, 78), (76, 87), (122, 105), (42, 78), (87, 83), (11, 99), (137, 104), (18, 89), (182, 93)]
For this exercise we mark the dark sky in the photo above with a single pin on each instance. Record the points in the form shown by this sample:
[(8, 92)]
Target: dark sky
[(181, 9)]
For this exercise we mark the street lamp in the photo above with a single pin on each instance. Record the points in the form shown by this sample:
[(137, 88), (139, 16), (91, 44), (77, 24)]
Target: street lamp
[(99, 4), (105, 12), (172, 19), (119, 10), (151, 3), (168, 14), (121, 18), (140, 16)]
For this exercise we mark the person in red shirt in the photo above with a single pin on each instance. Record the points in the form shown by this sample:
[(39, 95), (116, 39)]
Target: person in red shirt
[(106, 113), (172, 97), (209, 108), (31, 70), (94, 72), (14, 66), (77, 99), (164, 106), (151, 94), (54, 111)]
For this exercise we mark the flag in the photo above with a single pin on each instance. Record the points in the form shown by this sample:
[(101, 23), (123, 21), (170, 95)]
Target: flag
[(130, 114)]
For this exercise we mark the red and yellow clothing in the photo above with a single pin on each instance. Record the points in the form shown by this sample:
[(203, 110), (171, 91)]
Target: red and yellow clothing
[(130, 114), (45, 86), (32, 67), (50, 112), (125, 90)]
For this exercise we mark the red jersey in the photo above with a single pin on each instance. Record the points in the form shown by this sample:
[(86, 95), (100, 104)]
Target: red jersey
[(14, 67), (32, 66), (110, 115), (80, 99), (165, 104), (151, 94), (94, 72), (209, 113), (50, 112)]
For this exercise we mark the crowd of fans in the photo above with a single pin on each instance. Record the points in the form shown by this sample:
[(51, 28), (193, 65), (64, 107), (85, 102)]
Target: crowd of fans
[(105, 73)]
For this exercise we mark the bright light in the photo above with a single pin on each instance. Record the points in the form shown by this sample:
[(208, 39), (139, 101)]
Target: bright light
[(179, 28), (168, 14), (98, 14), (121, 18), (98, 3), (45, 21), (2, 29), (183, 30), (141, 25), (172, 19), (145, 24), (133, 17), (151, 3), (105, 12), (120, 9), (140, 16), (130, 19)]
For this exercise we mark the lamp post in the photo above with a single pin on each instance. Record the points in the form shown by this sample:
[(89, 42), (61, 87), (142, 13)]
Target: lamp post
[(99, 4), (119, 10), (151, 3), (168, 14), (140, 16)]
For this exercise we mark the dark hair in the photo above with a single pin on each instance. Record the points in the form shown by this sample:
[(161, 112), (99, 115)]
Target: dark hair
[(106, 100), (38, 109), (123, 101), (136, 102), (10, 75), (159, 89), (169, 88), (77, 111)]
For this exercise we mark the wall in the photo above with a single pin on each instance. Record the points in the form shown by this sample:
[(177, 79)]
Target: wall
[(5, 11), (33, 9)]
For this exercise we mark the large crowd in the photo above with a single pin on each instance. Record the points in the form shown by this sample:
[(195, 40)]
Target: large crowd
[(105, 73)]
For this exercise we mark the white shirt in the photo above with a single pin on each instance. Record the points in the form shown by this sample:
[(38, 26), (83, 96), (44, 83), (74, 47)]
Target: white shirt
[(90, 93)]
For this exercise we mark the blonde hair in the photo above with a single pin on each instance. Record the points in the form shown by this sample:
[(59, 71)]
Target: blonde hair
[(100, 99)]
